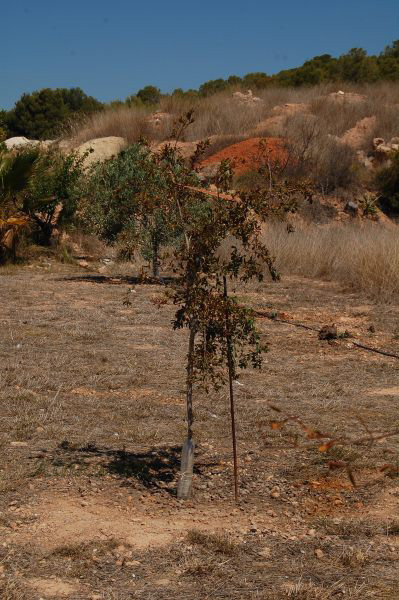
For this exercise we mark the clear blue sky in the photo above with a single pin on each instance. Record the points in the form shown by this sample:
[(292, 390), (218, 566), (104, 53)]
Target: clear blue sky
[(112, 48)]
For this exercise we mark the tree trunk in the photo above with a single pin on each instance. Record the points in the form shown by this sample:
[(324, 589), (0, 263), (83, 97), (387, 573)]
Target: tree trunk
[(155, 255), (184, 488)]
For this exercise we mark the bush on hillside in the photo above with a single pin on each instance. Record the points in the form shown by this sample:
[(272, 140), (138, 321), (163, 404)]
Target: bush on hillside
[(387, 181), (149, 95), (3, 125)]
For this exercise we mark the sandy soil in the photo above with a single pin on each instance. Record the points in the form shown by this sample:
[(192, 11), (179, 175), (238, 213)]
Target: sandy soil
[(92, 420)]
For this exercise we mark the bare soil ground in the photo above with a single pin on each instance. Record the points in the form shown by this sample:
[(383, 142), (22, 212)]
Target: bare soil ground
[(91, 424), (249, 155)]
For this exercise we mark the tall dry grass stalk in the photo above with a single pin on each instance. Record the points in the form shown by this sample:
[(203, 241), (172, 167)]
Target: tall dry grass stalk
[(362, 258), (129, 123)]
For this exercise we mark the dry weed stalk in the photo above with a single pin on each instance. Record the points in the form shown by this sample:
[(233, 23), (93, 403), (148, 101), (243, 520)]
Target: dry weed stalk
[(325, 441)]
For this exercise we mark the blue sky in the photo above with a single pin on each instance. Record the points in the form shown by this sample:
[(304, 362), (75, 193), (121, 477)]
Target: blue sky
[(112, 48)]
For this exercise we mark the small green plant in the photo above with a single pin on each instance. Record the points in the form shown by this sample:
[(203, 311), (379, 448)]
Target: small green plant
[(369, 204)]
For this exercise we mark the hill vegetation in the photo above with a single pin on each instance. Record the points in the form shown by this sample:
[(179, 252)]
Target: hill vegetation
[(43, 113)]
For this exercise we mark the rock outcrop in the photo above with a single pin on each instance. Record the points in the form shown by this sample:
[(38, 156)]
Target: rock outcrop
[(349, 97), (359, 135), (21, 142), (275, 124), (382, 150), (185, 149), (290, 108), (247, 98), (102, 148)]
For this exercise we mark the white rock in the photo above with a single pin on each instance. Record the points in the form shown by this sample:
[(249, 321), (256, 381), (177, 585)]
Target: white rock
[(102, 148), (246, 98), (20, 142)]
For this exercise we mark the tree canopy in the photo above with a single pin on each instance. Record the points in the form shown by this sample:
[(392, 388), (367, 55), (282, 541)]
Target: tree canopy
[(42, 113)]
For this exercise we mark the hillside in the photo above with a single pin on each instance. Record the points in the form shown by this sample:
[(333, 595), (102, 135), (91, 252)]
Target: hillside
[(44, 113)]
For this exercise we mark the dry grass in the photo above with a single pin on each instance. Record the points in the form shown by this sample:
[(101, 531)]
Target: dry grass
[(348, 528), (362, 258), (317, 155), (92, 391), (129, 123), (221, 114), (217, 543)]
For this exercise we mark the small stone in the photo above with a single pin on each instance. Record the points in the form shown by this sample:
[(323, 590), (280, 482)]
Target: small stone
[(19, 444), (319, 553), (275, 494), (351, 207), (312, 532), (162, 582), (265, 552)]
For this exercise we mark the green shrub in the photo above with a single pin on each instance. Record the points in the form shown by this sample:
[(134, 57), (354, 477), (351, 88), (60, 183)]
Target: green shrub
[(42, 187), (122, 201), (42, 114), (149, 95), (387, 182), (51, 197)]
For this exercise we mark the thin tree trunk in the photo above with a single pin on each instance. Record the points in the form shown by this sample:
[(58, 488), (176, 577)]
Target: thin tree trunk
[(230, 366), (14, 248), (184, 488), (155, 255)]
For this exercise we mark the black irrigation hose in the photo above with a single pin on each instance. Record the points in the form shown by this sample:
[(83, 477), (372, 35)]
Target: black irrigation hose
[(303, 326)]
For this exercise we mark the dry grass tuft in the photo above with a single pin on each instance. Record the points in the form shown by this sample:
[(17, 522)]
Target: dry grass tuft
[(347, 529), (12, 589), (214, 542), (129, 123), (362, 258)]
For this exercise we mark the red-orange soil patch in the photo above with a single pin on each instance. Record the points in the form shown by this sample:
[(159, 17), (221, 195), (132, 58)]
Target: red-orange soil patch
[(251, 154)]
